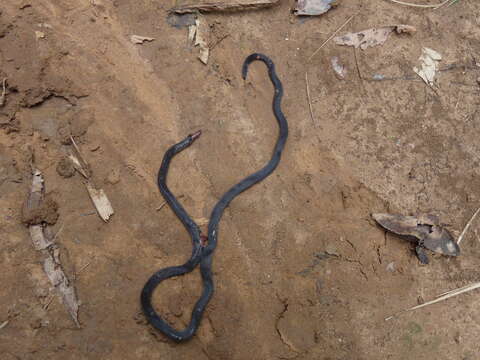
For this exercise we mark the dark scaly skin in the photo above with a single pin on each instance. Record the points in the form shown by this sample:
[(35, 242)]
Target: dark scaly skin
[(202, 251)]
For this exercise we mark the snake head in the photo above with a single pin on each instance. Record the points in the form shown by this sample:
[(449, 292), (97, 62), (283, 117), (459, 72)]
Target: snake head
[(195, 135)]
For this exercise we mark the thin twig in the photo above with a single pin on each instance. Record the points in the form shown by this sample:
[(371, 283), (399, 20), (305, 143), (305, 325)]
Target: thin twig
[(161, 206), (428, 6), (446, 296), (4, 91), (331, 36), (81, 269), (212, 46), (356, 64), (2, 325), (315, 123), (45, 307), (445, 3), (58, 232), (164, 203), (453, 2), (460, 238), (358, 71)]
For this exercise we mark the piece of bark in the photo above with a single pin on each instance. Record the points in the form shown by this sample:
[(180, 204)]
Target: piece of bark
[(42, 242), (59, 280)]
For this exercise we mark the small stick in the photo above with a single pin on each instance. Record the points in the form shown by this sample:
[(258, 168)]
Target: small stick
[(315, 123), (356, 63), (331, 36), (58, 232), (81, 269), (358, 70), (161, 206), (2, 325), (460, 238), (4, 90), (45, 307), (219, 6), (164, 203), (212, 46)]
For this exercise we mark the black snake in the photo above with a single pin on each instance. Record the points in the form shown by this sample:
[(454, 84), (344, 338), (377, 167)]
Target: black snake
[(203, 250)]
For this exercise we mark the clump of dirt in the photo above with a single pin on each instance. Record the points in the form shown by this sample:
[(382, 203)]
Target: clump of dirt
[(113, 177), (65, 168), (46, 212)]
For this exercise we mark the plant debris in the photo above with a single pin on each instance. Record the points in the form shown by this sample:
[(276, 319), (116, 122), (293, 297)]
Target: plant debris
[(137, 39), (42, 241), (220, 7), (4, 91), (338, 68), (424, 230), (440, 298), (372, 37), (313, 7), (429, 65), (79, 162), (198, 34), (100, 200), (462, 235), (39, 34)]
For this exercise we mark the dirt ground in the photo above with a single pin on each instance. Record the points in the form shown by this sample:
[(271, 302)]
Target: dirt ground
[(301, 271)]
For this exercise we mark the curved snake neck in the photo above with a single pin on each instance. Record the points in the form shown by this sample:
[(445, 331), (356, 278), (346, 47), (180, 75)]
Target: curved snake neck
[(202, 253)]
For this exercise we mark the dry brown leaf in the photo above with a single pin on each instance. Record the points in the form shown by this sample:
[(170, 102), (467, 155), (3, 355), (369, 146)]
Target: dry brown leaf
[(372, 37), (429, 65), (425, 228)]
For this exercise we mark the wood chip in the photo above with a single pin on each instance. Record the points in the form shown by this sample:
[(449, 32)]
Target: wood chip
[(201, 39), (137, 39), (39, 34), (100, 201)]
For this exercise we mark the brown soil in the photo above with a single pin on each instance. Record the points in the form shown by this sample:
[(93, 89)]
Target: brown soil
[(301, 270)]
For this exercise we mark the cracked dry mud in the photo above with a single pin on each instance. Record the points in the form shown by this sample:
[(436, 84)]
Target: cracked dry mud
[(381, 146)]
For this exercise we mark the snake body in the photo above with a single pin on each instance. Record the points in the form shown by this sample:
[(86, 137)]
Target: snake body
[(202, 252)]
